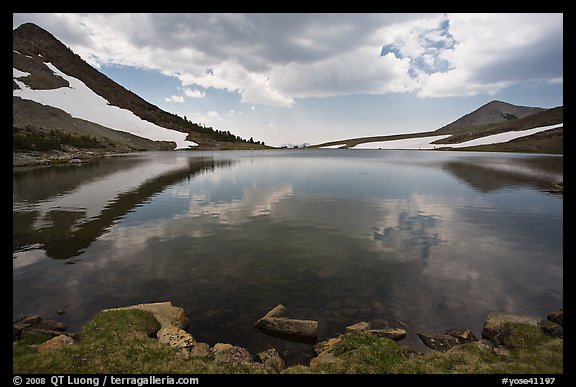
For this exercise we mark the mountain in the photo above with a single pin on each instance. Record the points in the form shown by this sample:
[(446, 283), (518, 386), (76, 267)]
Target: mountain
[(491, 113), (496, 126), (57, 97)]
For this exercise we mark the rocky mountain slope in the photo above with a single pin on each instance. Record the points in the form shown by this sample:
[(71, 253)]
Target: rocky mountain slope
[(491, 113), (513, 123), (44, 66)]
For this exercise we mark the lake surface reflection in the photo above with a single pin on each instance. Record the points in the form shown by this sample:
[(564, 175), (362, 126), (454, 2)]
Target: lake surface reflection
[(432, 240)]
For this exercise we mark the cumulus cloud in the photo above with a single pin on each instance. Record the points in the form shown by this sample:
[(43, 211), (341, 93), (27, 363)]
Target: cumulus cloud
[(272, 59), (175, 98), (194, 93)]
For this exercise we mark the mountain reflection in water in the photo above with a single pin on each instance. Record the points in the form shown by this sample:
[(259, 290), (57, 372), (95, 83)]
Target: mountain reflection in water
[(433, 239)]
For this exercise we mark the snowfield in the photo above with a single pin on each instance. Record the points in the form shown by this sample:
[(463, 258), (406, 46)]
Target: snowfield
[(81, 102), (504, 137), (18, 74), (407, 143), (425, 142)]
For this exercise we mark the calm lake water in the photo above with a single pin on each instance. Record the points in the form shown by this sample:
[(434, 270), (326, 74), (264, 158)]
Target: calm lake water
[(432, 240)]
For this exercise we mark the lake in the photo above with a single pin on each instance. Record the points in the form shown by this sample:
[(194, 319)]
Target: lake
[(429, 240)]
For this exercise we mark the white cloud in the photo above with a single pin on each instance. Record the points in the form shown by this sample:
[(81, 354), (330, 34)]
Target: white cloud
[(194, 93), (271, 59), (175, 98), (495, 51)]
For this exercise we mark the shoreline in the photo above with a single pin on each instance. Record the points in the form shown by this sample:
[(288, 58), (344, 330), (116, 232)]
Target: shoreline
[(505, 341)]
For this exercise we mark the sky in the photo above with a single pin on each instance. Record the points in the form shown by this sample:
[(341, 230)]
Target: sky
[(312, 78)]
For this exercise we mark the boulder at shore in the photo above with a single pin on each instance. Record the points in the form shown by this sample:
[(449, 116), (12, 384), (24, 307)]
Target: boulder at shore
[(166, 313), (494, 327), (287, 328)]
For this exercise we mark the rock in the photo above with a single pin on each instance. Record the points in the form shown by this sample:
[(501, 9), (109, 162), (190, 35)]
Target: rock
[(55, 343), (219, 347), (183, 353), (287, 328), (31, 319), (401, 323), (483, 345), (34, 330), (271, 360), (323, 358), (494, 325), (51, 325), (16, 332), (175, 337), (200, 350), (21, 324), (389, 333), (501, 351), (360, 326), (463, 335), (551, 328), (34, 324), (18, 329), (439, 342), (166, 313), (557, 317), (326, 345), (557, 188)]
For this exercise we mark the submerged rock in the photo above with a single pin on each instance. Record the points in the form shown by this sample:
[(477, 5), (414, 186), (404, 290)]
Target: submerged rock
[(287, 328), (30, 319), (360, 326), (51, 325)]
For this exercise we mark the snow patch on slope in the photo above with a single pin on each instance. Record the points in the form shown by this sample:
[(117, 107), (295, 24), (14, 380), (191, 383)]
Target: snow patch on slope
[(426, 142), (406, 143), (18, 74), (504, 137), (81, 102)]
